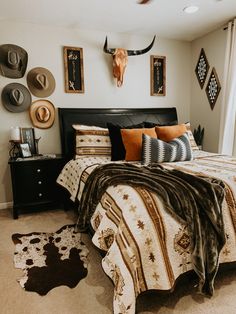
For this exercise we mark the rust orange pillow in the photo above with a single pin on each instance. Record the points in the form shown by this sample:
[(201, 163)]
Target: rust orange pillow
[(132, 140), (168, 133)]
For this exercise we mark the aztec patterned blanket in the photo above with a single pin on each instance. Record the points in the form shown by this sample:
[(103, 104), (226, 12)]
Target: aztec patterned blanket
[(147, 248), (182, 195)]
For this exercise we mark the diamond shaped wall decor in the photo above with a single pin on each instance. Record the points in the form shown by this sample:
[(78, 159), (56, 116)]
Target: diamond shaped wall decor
[(202, 68), (213, 88)]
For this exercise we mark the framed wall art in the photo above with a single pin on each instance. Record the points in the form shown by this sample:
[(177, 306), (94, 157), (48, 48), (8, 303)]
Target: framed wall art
[(213, 88), (158, 75), (28, 136), (74, 69), (202, 68)]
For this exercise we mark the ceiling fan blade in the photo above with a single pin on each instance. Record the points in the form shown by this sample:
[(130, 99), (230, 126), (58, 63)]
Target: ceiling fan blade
[(144, 1)]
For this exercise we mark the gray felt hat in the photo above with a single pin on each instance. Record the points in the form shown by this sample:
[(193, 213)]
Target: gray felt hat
[(16, 97), (13, 61)]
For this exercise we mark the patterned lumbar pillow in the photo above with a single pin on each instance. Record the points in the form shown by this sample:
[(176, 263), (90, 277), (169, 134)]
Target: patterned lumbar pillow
[(155, 150), (91, 141)]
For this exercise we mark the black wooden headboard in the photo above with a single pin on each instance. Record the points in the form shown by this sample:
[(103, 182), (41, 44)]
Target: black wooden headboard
[(99, 117)]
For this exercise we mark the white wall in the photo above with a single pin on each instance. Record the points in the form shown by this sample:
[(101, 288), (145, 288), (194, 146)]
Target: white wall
[(200, 110), (44, 46)]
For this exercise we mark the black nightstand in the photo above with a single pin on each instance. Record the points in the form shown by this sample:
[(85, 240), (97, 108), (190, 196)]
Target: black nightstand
[(34, 183)]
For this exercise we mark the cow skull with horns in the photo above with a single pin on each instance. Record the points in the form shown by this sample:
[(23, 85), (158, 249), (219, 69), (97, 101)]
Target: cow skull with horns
[(120, 59)]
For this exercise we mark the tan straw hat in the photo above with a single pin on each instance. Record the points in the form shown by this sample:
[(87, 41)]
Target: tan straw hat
[(41, 82), (13, 61), (42, 113), (16, 97)]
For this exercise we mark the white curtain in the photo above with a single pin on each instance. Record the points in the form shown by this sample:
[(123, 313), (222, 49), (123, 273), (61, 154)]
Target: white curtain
[(228, 106)]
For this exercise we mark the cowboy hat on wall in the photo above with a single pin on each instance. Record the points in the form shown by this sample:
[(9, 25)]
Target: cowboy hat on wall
[(16, 97), (13, 61), (42, 113), (41, 82)]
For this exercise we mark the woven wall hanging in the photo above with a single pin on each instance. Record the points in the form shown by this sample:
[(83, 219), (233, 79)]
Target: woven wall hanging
[(202, 68), (213, 88)]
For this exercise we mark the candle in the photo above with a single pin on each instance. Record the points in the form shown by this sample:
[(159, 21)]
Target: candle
[(15, 133)]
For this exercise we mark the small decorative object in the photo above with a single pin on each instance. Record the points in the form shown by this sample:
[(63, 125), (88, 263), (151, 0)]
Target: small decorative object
[(158, 76), (120, 59), (28, 137), (74, 70), (25, 150), (202, 68), (13, 61), (16, 97), (198, 135), (41, 82), (42, 113), (37, 145), (14, 151), (213, 88)]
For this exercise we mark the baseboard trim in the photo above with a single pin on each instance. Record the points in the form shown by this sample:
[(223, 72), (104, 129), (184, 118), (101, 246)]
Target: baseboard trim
[(6, 205)]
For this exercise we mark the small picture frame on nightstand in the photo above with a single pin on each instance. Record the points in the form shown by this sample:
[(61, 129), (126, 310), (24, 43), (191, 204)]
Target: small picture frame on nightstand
[(28, 136), (25, 150)]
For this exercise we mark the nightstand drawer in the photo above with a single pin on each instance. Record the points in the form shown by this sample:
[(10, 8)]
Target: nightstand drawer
[(32, 191), (33, 171)]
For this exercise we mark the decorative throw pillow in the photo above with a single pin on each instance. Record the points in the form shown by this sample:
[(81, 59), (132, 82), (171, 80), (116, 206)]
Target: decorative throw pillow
[(91, 141), (117, 146), (168, 133), (156, 150), (191, 137), (132, 139)]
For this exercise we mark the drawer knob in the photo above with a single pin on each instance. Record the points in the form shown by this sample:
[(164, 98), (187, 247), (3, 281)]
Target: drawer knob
[(38, 170), (39, 182), (40, 194)]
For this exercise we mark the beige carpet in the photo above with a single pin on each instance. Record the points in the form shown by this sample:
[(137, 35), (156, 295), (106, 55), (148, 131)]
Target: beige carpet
[(93, 295)]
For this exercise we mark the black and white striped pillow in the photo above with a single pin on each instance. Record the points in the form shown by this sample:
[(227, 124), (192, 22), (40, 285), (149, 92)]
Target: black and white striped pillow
[(155, 150)]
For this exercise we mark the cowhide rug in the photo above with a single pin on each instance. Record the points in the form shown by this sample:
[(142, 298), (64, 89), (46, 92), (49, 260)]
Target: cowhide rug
[(50, 260)]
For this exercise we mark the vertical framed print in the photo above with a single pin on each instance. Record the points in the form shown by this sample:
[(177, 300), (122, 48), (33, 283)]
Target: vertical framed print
[(74, 69), (158, 75)]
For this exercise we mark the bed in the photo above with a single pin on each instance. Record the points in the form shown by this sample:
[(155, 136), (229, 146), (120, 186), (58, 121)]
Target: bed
[(146, 247)]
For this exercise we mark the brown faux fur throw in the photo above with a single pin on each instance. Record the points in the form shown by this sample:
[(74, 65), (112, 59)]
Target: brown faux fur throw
[(195, 200)]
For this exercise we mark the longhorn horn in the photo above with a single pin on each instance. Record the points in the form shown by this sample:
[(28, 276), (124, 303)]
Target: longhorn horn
[(108, 50), (140, 52)]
